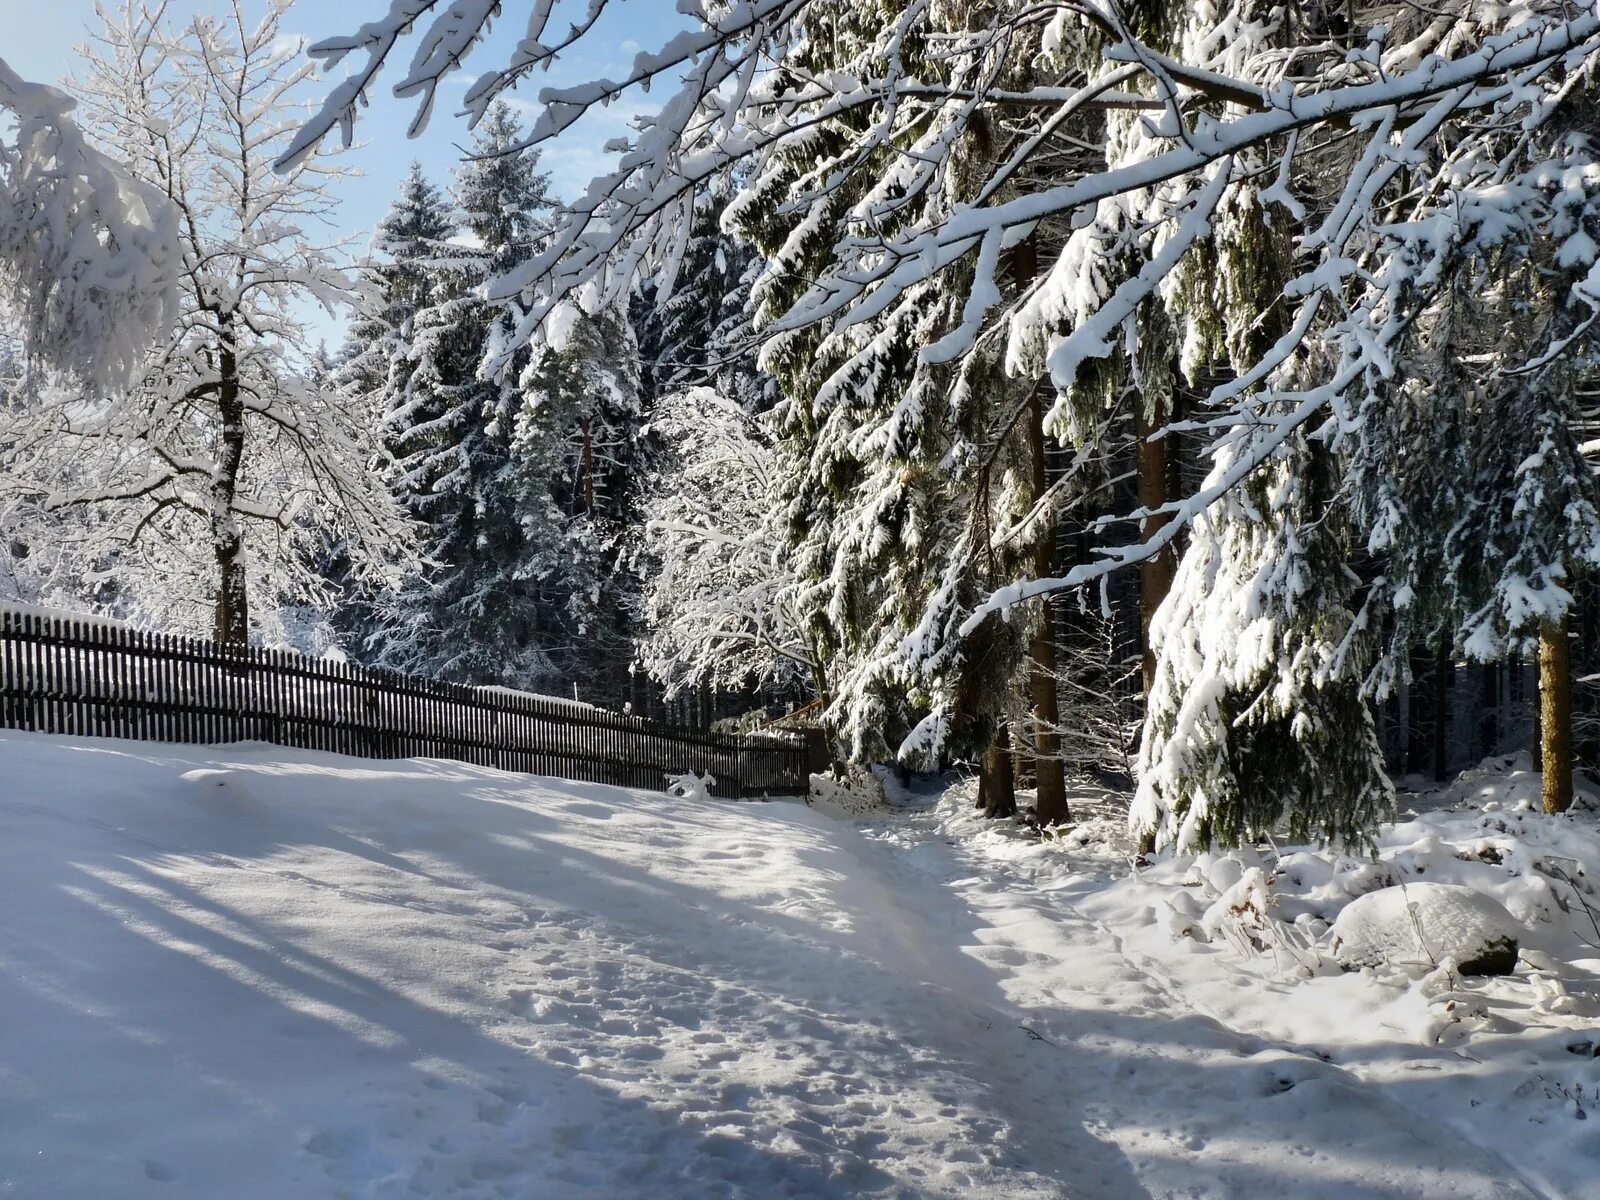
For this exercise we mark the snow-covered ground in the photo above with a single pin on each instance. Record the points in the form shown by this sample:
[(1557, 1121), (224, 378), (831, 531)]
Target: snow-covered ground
[(248, 972), (1491, 1080)]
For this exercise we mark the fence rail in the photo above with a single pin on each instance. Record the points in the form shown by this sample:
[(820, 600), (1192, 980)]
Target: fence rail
[(67, 676)]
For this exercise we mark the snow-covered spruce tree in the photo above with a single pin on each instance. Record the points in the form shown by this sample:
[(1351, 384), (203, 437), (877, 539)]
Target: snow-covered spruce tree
[(1475, 489), (1466, 472), (1202, 771), (519, 462), (403, 276), (720, 604), (693, 319), (581, 434), (482, 612), (1225, 298), (1258, 681), (1541, 521), (406, 271), (213, 482), (876, 453)]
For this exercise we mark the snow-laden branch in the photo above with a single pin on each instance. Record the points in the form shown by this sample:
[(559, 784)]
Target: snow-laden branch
[(89, 256), (882, 166), (722, 606)]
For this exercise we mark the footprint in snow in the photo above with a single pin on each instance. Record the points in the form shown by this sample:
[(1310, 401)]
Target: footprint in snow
[(216, 787), (595, 812), (160, 1172)]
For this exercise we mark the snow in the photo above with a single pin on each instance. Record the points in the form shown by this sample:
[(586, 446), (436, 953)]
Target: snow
[(88, 253), (692, 786), (567, 702), (249, 972), (1507, 1063), (857, 794), (1421, 925)]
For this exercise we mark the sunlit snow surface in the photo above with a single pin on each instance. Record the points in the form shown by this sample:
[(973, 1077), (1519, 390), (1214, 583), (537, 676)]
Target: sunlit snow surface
[(248, 972)]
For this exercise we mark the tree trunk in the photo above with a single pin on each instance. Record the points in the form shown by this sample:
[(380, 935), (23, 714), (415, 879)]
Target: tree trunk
[(1555, 716), (1444, 679), (588, 468), (1153, 470), (1488, 709), (1538, 719), (1049, 777), (997, 794), (1155, 574), (1419, 697), (233, 604)]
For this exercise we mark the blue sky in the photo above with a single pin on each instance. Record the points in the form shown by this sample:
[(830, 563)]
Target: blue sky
[(41, 47)]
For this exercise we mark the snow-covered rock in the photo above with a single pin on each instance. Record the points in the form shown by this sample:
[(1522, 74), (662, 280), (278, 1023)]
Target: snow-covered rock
[(1421, 925)]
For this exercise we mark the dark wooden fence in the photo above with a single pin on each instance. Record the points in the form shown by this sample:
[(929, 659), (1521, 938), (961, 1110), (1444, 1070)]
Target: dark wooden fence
[(59, 675)]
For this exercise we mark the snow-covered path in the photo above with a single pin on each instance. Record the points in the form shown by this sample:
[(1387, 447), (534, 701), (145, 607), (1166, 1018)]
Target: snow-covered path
[(1194, 1108), (246, 972)]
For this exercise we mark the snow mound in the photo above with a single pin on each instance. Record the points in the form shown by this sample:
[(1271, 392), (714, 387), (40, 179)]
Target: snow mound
[(691, 786), (860, 793), (1422, 925)]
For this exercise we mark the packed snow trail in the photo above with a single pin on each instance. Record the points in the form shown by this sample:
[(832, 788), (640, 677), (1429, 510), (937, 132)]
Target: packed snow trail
[(248, 972), (1197, 1108)]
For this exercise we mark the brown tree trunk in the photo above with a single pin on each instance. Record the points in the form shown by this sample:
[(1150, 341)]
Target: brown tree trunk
[(233, 604), (1444, 672), (588, 469), (1049, 776), (997, 793), (1155, 574), (1555, 716), (1153, 470)]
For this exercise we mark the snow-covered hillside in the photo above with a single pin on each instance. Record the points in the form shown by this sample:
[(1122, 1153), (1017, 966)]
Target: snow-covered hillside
[(244, 972)]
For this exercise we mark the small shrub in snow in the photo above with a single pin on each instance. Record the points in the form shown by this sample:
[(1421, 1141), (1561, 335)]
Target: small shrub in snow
[(1185, 915), (1240, 914), (1424, 924)]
